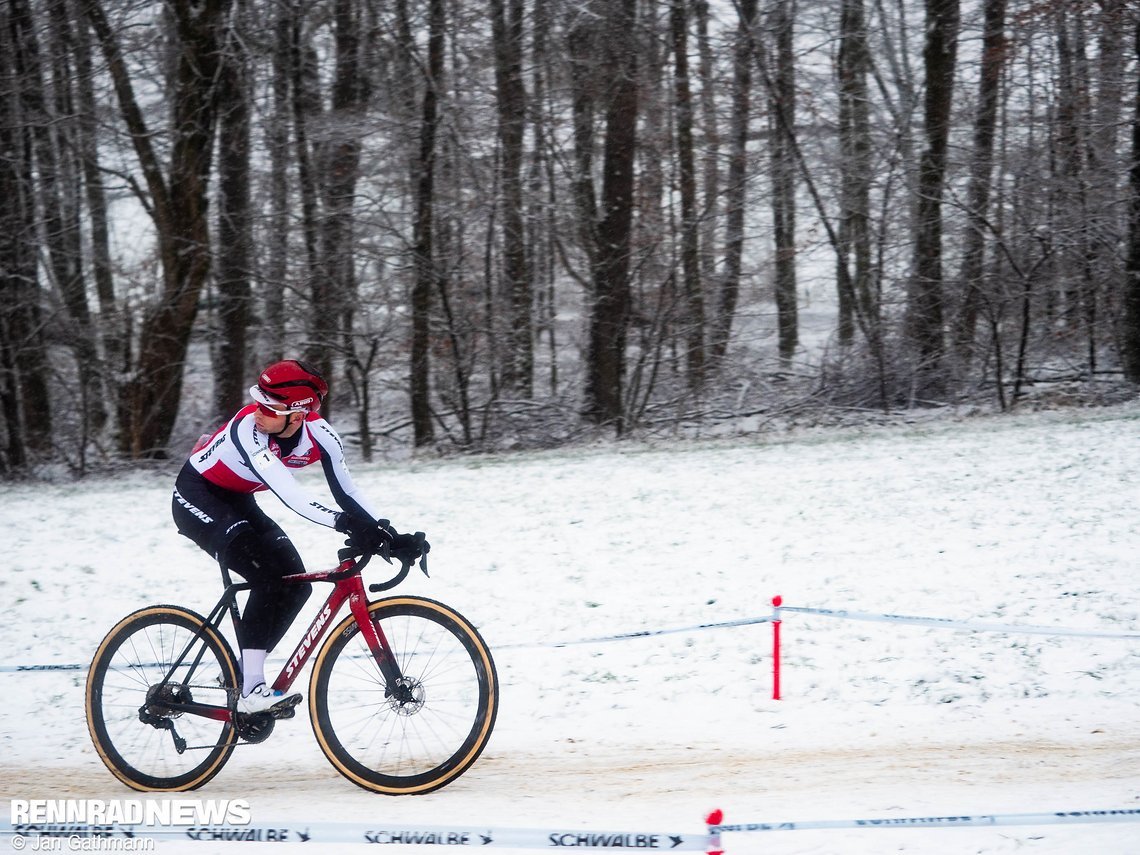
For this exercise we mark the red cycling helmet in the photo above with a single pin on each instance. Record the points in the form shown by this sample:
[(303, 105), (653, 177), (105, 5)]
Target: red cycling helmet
[(291, 383)]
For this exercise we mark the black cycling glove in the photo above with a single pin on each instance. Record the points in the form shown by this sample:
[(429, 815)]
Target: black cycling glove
[(409, 547), (368, 537)]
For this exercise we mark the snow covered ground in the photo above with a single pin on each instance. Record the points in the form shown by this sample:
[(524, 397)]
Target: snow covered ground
[(1029, 519)]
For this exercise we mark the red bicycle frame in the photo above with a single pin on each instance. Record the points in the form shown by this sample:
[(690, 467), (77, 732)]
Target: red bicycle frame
[(348, 588)]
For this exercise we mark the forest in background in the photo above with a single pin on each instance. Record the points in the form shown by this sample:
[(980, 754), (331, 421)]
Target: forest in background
[(503, 223)]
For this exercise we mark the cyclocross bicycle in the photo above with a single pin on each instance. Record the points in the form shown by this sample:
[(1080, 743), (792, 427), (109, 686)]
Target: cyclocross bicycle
[(402, 698)]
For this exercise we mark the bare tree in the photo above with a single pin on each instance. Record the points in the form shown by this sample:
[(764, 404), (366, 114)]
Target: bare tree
[(423, 248), (925, 302), (994, 54), (736, 184), (855, 166), (605, 69), (710, 209), (782, 110), (1130, 332), (510, 95), (177, 202), (694, 324)]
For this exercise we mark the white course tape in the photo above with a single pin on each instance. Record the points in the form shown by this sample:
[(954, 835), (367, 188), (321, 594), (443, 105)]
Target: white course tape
[(644, 633), (949, 623), (378, 832), (1058, 818)]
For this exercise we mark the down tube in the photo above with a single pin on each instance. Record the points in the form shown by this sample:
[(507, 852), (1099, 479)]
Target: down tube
[(316, 631)]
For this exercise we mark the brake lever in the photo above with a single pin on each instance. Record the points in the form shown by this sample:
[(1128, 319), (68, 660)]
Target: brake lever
[(421, 541)]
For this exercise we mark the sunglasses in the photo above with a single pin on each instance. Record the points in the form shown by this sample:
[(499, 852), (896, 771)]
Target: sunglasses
[(267, 410)]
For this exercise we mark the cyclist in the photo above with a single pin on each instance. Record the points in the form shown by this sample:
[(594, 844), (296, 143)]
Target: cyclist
[(214, 506)]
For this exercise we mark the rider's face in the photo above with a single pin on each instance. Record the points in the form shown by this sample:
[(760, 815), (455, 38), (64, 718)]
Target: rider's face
[(271, 424)]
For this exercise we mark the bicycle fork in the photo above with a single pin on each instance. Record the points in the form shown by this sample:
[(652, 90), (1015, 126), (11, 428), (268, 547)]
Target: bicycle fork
[(394, 683)]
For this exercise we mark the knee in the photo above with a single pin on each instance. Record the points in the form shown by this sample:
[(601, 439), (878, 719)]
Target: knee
[(287, 558)]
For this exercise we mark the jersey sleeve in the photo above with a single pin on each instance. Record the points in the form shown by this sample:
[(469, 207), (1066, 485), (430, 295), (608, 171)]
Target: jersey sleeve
[(341, 485), (253, 447)]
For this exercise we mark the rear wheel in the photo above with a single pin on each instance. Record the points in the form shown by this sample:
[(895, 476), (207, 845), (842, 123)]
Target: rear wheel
[(146, 744), (430, 728)]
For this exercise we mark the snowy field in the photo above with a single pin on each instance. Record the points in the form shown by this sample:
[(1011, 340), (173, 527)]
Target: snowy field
[(1031, 519)]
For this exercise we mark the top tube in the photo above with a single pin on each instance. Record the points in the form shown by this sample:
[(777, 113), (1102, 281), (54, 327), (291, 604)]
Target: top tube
[(349, 566)]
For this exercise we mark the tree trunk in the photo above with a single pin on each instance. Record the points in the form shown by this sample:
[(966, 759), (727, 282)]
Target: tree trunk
[(782, 98), (855, 163), (582, 52), (710, 209), (694, 326), (610, 301), (994, 52), (541, 217), (735, 191), (510, 97), (1106, 227), (1130, 331), (423, 251), (925, 301)]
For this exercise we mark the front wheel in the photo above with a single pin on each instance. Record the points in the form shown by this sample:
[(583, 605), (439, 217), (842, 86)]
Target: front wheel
[(423, 733), (146, 743)]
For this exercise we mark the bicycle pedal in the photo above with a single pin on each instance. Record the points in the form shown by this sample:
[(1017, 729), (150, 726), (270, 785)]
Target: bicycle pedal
[(286, 707)]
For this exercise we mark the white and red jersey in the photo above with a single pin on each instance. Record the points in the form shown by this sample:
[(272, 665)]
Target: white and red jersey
[(241, 458)]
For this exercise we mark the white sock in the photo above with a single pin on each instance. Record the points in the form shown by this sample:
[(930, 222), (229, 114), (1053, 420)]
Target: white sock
[(252, 670)]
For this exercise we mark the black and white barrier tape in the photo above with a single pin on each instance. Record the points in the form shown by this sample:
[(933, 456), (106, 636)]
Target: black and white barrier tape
[(292, 831)]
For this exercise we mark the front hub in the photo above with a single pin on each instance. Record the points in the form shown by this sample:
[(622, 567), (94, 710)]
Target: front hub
[(408, 697)]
